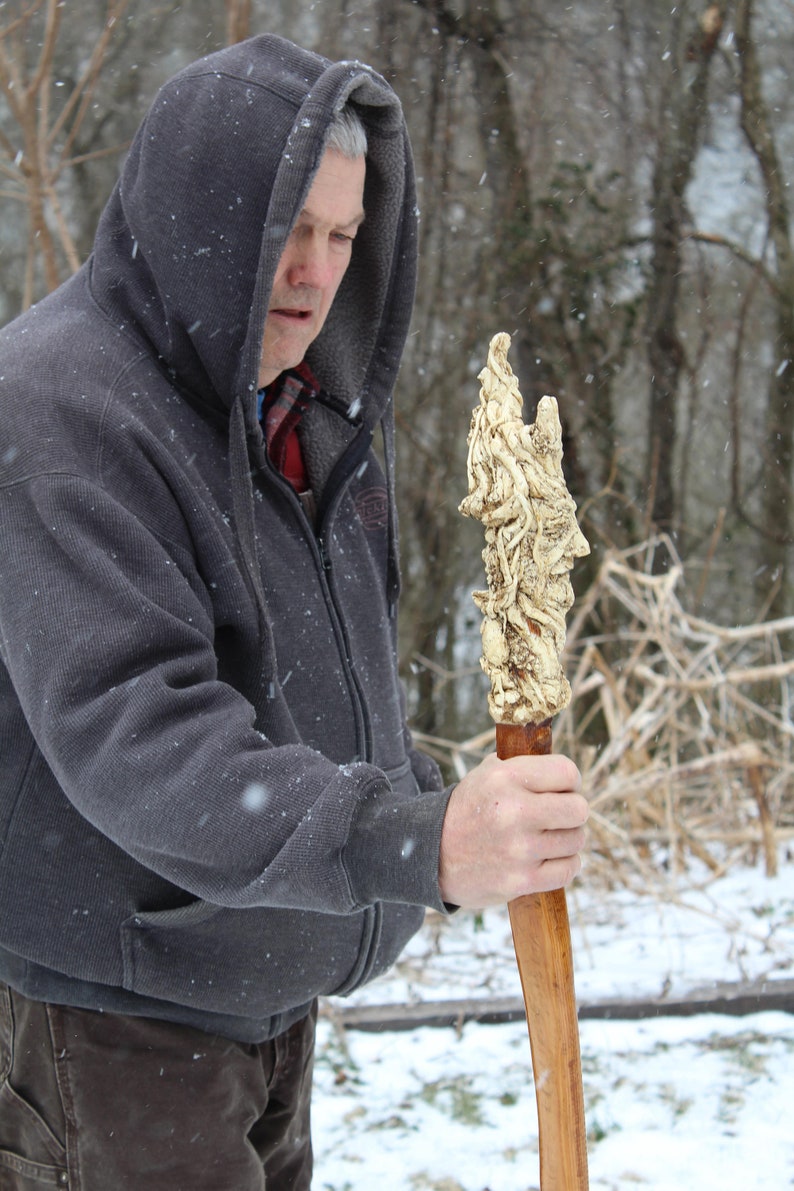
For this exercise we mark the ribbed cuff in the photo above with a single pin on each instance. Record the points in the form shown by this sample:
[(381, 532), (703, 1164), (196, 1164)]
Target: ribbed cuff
[(393, 851)]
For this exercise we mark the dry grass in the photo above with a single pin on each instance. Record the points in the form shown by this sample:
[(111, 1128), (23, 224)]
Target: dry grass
[(681, 727)]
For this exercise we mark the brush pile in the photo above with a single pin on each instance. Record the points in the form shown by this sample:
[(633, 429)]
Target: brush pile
[(681, 727)]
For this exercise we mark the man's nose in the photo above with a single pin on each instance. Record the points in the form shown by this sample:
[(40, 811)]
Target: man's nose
[(311, 265)]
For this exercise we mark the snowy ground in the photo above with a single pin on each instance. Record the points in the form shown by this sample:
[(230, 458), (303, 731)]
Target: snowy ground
[(672, 1103)]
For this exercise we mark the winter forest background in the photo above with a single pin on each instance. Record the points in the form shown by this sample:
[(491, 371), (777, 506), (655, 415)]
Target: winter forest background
[(611, 182)]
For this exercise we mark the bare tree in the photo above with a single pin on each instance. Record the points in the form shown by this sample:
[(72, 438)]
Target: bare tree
[(238, 20), (777, 501), (41, 150), (682, 111)]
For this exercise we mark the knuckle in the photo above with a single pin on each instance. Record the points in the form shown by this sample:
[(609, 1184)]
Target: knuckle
[(570, 773), (582, 807), (574, 868)]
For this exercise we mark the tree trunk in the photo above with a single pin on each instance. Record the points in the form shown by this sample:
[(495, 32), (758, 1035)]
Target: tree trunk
[(776, 500), (683, 108)]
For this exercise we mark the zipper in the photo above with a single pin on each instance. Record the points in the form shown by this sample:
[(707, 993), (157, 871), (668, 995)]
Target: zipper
[(340, 474)]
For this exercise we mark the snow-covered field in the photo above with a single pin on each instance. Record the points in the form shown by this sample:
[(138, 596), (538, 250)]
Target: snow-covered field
[(673, 1103)]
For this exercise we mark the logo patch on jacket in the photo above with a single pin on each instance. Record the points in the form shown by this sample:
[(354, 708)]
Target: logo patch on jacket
[(373, 508)]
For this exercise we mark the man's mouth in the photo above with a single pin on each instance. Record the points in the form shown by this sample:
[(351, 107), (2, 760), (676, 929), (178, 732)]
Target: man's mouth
[(294, 314)]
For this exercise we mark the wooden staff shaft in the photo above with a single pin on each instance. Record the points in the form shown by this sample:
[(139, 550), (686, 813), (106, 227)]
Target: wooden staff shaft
[(542, 940)]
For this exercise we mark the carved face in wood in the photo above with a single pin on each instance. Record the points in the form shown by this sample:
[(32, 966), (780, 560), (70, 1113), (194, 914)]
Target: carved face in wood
[(517, 489)]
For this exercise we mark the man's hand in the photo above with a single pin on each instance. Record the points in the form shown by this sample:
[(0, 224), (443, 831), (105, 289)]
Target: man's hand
[(512, 827)]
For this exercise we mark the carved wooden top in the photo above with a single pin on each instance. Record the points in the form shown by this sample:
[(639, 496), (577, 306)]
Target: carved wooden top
[(517, 490)]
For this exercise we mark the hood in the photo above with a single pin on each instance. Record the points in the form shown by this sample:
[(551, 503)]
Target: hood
[(216, 175)]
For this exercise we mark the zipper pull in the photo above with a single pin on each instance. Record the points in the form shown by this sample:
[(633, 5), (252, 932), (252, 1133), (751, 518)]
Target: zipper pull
[(309, 505)]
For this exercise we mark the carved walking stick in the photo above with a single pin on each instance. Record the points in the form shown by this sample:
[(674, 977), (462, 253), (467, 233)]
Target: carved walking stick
[(517, 489)]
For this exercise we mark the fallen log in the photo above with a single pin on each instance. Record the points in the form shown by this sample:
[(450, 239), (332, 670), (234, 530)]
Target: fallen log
[(732, 999)]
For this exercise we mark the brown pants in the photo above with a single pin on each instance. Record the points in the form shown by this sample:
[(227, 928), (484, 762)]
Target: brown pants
[(104, 1102)]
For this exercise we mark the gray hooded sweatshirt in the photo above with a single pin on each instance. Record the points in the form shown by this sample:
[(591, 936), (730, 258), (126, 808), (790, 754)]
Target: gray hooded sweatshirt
[(210, 809)]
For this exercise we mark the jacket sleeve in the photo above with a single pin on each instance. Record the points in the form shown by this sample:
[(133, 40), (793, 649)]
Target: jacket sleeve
[(108, 637)]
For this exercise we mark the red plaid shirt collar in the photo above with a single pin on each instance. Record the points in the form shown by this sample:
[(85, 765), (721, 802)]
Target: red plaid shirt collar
[(281, 406)]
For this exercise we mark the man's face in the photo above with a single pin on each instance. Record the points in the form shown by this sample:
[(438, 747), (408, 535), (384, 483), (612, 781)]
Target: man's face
[(313, 263)]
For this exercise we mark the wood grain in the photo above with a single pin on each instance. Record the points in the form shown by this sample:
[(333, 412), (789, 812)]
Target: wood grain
[(542, 940)]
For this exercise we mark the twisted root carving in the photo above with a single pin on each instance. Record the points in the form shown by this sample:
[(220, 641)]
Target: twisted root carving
[(517, 490)]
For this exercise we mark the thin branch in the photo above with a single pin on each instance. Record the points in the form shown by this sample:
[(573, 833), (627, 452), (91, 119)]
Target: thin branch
[(21, 22), (52, 26), (83, 90)]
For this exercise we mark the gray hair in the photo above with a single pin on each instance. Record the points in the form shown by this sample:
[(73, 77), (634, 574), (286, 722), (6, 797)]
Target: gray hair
[(347, 134)]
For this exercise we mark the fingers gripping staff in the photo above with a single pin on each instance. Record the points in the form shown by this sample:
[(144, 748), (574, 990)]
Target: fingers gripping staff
[(517, 490)]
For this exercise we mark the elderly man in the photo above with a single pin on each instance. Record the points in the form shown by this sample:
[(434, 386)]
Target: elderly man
[(211, 811)]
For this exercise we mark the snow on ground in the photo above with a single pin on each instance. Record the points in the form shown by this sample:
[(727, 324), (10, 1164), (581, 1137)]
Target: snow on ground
[(672, 1103)]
